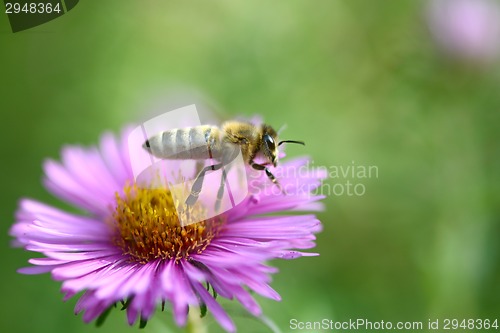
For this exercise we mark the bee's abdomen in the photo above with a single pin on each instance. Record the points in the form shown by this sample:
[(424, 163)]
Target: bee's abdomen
[(196, 143)]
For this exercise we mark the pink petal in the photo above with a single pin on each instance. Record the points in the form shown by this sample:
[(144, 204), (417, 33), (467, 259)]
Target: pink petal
[(219, 314)]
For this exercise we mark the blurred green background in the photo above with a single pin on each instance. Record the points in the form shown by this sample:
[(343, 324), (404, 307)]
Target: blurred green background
[(360, 81)]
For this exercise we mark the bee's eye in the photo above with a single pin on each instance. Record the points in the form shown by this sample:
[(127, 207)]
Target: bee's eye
[(269, 142)]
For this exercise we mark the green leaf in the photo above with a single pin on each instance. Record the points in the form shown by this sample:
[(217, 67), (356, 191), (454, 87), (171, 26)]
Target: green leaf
[(203, 310), (127, 303), (142, 323)]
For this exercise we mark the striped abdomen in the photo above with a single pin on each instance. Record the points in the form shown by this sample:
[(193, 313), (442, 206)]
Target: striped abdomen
[(196, 143)]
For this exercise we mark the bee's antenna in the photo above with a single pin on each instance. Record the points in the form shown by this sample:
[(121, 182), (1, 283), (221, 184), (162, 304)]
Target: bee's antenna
[(291, 141)]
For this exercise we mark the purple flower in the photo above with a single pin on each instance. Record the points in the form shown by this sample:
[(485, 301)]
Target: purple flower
[(128, 246), (466, 29)]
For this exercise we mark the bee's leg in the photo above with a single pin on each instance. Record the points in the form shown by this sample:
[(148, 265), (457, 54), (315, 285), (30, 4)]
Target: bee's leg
[(198, 166), (268, 173), (229, 153), (220, 193), (198, 184)]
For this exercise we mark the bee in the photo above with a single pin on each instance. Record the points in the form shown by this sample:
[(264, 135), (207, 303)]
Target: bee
[(221, 145)]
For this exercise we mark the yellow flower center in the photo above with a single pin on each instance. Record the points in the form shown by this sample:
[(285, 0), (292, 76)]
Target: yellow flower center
[(148, 226)]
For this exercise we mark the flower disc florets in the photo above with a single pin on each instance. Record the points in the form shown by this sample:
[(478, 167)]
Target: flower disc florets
[(148, 226)]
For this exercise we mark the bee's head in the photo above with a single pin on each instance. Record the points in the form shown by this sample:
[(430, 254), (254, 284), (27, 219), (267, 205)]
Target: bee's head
[(270, 144)]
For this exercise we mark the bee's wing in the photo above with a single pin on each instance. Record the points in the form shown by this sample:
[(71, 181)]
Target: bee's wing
[(148, 137), (208, 111)]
